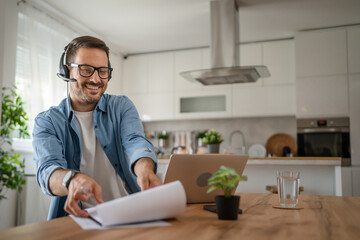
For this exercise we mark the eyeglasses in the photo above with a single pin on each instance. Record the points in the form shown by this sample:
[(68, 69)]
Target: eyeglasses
[(86, 70)]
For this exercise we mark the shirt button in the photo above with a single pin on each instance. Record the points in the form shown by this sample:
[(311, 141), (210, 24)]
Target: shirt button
[(105, 147), (95, 126), (116, 165)]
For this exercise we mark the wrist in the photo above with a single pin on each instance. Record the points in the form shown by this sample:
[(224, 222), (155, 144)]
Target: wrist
[(143, 164), (68, 177)]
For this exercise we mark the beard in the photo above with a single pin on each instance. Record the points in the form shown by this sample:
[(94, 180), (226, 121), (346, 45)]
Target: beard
[(85, 96)]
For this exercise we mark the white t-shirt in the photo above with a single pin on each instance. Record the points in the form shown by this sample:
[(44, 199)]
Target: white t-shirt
[(95, 164)]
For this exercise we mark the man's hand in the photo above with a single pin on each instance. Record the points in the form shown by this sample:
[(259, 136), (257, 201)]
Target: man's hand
[(75, 194), (144, 171)]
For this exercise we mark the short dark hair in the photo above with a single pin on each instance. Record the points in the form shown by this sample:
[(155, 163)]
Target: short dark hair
[(86, 42)]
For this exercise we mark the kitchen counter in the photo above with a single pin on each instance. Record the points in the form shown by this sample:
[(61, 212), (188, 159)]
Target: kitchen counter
[(327, 161)]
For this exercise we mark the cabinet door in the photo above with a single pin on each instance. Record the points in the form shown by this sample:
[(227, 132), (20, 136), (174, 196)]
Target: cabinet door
[(280, 60), (320, 53), (161, 73), (354, 109), (136, 74), (263, 101), (251, 54), (203, 104), (354, 49), (186, 61), (154, 106), (322, 96)]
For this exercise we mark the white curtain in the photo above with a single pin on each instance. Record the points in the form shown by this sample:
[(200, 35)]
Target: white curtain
[(41, 41)]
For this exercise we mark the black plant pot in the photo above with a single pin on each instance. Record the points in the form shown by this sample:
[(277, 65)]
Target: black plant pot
[(227, 208)]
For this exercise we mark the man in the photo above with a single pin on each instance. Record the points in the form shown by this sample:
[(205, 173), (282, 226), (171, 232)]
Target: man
[(91, 148)]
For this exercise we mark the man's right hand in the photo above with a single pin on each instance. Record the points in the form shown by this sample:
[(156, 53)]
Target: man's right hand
[(75, 194)]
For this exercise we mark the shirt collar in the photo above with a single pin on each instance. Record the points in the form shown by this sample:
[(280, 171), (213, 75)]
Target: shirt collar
[(101, 105)]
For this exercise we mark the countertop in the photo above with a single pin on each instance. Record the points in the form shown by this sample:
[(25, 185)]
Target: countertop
[(327, 161)]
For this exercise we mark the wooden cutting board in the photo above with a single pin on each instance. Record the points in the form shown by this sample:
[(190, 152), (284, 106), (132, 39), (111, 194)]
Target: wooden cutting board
[(276, 143)]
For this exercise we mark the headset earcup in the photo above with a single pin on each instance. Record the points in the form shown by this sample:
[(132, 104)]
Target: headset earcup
[(109, 64), (63, 70)]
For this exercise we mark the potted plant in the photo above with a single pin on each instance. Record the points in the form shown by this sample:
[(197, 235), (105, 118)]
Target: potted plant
[(13, 117), (227, 179), (213, 139), (163, 137)]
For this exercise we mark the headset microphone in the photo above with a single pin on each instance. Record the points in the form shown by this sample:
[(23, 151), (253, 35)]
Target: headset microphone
[(66, 79)]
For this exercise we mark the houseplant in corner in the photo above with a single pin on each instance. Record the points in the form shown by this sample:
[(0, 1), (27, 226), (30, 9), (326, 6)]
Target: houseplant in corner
[(227, 179), (213, 139), (13, 117)]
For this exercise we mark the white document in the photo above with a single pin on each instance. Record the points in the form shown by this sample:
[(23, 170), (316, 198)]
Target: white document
[(162, 202)]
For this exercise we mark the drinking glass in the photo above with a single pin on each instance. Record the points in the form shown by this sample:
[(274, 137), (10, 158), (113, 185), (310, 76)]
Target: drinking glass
[(288, 183)]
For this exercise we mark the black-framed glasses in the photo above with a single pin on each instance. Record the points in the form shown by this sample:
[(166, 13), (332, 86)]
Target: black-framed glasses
[(86, 70)]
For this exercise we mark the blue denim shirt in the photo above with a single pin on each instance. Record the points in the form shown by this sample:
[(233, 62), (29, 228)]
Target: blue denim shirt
[(56, 142)]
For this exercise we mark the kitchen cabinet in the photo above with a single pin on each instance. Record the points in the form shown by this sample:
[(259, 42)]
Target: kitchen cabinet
[(280, 60), (354, 103), (135, 76), (185, 61), (154, 106), (263, 101), (212, 103), (353, 36), (322, 96), (161, 73), (321, 52)]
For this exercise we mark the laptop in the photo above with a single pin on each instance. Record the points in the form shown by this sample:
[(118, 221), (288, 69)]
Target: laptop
[(194, 170)]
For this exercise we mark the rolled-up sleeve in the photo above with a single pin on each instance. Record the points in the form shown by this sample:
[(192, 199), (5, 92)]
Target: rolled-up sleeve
[(48, 153), (135, 144)]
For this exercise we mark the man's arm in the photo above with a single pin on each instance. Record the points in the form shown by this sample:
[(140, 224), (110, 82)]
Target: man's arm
[(74, 193), (144, 169)]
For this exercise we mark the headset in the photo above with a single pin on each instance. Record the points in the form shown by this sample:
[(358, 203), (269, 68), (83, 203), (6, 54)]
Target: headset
[(64, 73)]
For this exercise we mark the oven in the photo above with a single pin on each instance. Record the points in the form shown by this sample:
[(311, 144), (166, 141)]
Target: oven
[(328, 137)]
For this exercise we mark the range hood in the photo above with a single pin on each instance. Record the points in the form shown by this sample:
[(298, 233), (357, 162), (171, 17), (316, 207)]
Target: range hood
[(224, 48)]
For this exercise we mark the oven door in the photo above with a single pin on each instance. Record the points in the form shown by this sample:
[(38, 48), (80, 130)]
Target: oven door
[(319, 143)]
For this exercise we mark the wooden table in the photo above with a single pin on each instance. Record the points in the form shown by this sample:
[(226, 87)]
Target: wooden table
[(323, 217)]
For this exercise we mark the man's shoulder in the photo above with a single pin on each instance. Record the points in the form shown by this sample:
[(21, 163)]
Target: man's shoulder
[(54, 111)]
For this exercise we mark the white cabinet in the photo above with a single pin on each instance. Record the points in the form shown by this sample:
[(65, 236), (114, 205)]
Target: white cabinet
[(161, 73), (280, 60), (185, 61), (214, 103), (322, 96), (135, 77), (353, 36), (321, 52), (354, 103), (263, 101)]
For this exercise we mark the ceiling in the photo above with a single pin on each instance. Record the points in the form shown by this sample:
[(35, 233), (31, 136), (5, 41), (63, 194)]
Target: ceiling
[(138, 26)]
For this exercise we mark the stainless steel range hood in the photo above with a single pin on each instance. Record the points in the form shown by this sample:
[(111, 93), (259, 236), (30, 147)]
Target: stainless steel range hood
[(225, 50)]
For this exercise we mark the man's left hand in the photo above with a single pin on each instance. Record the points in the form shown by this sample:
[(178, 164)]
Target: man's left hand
[(144, 171)]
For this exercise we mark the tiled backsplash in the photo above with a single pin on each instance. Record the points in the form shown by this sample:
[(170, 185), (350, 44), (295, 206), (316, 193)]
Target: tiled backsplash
[(256, 130)]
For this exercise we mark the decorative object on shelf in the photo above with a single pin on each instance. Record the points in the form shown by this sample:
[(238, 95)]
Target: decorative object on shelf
[(213, 139), (276, 143), (257, 150), (13, 117), (227, 179)]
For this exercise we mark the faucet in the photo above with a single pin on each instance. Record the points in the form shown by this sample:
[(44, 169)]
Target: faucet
[(243, 148)]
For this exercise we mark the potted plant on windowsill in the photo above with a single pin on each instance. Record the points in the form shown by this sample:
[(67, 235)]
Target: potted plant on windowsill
[(213, 139), (13, 117), (227, 179)]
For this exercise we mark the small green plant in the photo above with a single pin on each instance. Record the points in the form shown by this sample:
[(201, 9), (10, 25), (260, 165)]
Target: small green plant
[(212, 137), (225, 178), (13, 117), (201, 134), (163, 135)]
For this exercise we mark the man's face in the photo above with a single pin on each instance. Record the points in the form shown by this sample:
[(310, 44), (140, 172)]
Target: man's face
[(87, 91)]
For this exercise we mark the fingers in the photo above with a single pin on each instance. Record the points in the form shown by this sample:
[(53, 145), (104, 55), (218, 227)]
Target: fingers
[(81, 188), (148, 180)]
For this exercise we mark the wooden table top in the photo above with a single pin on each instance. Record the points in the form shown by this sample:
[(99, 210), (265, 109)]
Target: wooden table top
[(323, 217)]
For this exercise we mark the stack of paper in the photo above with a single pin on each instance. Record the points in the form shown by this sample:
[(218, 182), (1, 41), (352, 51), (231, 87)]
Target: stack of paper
[(162, 202)]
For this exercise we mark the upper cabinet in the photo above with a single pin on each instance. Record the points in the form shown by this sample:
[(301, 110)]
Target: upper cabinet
[(353, 36), (321, 52), (161, 73), (321, 73), (280, 59), (135, 74)]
